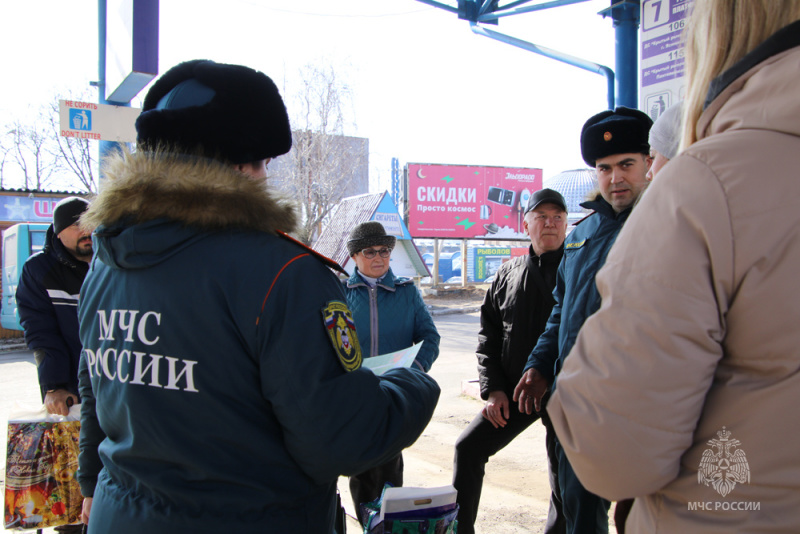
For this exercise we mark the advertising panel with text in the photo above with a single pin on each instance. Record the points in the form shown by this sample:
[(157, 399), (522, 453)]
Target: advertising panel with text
[(468, 201)]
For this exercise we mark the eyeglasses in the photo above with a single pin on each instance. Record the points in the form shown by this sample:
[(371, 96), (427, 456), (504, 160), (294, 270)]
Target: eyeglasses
[(370, 253)]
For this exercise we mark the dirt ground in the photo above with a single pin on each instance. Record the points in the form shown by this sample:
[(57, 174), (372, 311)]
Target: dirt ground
[(454, 296), (516, 490)]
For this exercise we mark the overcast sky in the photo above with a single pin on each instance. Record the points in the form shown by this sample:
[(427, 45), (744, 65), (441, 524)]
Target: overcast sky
[(426, 88)]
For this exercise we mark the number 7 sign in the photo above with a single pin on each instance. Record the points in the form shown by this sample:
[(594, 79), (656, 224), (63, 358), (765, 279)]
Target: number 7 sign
[(655, 13)]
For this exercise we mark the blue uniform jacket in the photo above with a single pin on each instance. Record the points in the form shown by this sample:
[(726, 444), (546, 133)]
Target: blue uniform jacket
[(47, 299), (392, 316), (576, 296), (216, 395)]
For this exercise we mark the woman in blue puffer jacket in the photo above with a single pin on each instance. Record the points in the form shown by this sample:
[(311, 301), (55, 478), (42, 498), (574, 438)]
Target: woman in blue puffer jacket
[(389, 315)]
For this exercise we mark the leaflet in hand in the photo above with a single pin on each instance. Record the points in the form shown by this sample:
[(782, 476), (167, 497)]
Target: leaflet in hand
[(394, 360)]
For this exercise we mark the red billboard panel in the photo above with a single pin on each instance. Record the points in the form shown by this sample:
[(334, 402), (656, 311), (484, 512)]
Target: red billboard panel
[(467, 201)]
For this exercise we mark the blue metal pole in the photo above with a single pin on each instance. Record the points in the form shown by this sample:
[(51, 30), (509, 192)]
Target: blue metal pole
[(625, 15), (553, 54), (105, 147)]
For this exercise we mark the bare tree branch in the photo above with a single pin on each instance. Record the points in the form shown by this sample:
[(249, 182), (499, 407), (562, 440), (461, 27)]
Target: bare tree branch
[(28, 152), (73, 154), (33, 153), (323, 162)]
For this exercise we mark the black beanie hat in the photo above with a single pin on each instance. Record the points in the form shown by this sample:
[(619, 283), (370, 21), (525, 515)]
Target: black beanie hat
[(369, 234), (621, 131), (67, 212), (227, 112)]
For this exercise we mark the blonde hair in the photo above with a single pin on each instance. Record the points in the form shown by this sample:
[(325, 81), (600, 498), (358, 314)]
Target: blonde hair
[(718, 35)]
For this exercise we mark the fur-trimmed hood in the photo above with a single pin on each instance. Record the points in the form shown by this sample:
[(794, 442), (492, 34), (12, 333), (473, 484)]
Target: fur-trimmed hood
[(198, 193)]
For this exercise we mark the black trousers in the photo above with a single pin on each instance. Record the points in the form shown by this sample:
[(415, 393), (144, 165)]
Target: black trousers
[(481, 440), (367, 486)]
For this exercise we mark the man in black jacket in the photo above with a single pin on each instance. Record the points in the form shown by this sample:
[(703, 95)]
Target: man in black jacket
[(47, 298), (513, 315)]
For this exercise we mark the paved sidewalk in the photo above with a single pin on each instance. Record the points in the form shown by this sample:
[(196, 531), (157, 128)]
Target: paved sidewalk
[(453, 299)]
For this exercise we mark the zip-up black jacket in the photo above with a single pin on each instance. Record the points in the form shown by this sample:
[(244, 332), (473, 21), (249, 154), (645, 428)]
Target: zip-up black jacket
[(513, 316), (47, 299)]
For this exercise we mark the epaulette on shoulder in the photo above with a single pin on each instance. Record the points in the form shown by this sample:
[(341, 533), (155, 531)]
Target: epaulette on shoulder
[(324, 259), (587, 216)]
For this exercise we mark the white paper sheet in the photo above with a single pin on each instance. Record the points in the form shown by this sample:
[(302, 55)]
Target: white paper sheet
[(394, 360)]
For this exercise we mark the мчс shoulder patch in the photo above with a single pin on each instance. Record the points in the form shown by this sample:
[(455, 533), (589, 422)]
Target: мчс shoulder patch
[(342, 332)]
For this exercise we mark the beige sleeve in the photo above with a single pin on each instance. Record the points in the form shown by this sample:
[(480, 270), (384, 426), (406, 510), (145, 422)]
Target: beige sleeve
[(632, 389)]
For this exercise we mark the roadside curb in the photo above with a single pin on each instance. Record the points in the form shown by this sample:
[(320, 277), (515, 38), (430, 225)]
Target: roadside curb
[(471, 388), (453, 311), (12, 347)]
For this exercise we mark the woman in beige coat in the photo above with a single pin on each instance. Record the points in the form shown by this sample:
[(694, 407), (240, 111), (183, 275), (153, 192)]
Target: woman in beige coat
[(683, 389)]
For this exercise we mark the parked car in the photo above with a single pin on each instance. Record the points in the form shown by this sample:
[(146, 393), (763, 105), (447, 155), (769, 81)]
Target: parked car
[(454, 280), (488, 279)]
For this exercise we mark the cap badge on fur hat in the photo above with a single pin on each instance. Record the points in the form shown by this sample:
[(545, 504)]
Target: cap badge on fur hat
[(621, 131)]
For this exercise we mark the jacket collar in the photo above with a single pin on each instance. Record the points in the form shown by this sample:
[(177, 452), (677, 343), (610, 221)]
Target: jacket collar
[(199, 193), (599, 205), (554, 256), (784, 39), (387, 282), (54, 246)]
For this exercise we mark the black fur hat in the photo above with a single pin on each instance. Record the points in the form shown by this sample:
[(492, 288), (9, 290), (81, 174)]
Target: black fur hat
[(369, 234), (226, 112), (621, 131)]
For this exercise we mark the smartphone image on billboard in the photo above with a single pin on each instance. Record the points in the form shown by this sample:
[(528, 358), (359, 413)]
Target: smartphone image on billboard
[(501, 196)]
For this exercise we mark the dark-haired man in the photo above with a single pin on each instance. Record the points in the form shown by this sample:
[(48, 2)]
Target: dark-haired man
[(47, 298), (615, 143)]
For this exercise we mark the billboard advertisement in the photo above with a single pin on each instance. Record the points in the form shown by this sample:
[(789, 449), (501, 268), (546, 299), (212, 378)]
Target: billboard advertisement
[(469, 201)]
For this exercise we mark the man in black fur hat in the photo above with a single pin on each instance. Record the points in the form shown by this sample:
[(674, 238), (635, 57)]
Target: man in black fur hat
[(221, 374), (614, 142)]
